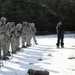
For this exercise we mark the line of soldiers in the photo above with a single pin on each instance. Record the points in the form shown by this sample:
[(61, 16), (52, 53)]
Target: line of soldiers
[(10, 33)]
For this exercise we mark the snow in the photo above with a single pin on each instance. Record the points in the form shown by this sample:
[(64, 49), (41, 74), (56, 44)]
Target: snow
[(44, 56)]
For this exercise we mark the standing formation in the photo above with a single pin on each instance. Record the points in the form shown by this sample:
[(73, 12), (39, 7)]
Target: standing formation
[(10, 34)]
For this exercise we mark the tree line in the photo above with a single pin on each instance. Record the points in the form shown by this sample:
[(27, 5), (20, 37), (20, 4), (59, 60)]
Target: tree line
[(44, 13)]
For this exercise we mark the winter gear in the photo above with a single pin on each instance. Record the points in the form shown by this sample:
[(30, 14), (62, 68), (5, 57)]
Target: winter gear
[(60, 34), (24, 33), (33, 33)]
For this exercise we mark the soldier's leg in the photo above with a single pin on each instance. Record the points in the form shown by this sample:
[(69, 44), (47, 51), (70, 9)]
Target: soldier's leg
[(8, 53), (28, 40), (3, 45), (34, 38), (20, 41), (0, 49), (23, 41), (62, 43), (17, 44), (13, 45), (58, 41)]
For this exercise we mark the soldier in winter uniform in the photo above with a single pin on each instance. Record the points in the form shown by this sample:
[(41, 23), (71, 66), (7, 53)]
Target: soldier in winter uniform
[(33, 32), (8, 38), (24, 33), (28, 35), (60, 34), (17, 35), (3, 38), (12, 32)]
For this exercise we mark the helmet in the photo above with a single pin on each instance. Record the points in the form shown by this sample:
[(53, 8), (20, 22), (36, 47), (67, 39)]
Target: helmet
[(19, 25), (25, 23), (3, 19), (29, 24), (9, 25), (13, 23), (33, 24)]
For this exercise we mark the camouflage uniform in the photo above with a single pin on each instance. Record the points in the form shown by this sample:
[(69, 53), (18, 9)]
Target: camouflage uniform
[(24, 33), (17, 35), (12, 32), (60, 34), (33, 32), (28, 35), (8, 38), (3, 37)]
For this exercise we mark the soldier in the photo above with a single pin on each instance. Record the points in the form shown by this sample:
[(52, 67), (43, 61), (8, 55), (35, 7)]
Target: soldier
[(3, 38), (12, 32), (8, 38), (17, 35), (33, 32), (24, 33), (29, 35), (60, 34)]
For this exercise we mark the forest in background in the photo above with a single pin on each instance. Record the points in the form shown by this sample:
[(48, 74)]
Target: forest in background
[(44, 13)]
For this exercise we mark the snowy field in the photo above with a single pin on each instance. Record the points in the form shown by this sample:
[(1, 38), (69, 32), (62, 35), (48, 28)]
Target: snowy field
[(44, 56)]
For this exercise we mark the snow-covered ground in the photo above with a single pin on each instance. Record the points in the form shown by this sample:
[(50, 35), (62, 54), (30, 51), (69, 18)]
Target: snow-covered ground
[(44, 56)]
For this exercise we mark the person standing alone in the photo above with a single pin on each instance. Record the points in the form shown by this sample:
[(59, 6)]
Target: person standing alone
[(60, 34)]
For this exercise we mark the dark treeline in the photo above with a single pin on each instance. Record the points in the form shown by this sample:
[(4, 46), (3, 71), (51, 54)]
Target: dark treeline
[(44, 13)]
